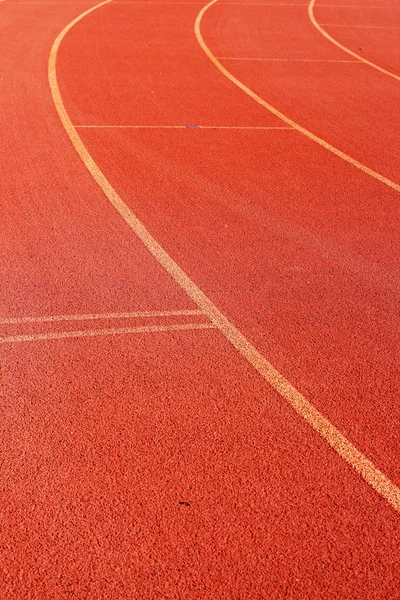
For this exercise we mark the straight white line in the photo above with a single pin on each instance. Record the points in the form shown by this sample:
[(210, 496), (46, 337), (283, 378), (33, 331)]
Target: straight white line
[(358, 26), (85, 2), (53, 2), (175, 127), (153, 2), (298, 4), (287, 59), (103, 332), (335, 6), (258, 4), (126, 315)]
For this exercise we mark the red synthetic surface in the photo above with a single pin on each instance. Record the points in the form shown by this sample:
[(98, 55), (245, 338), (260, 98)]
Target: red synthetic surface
[(160, 465), (325, 318), (312, 280), (350, 105), (371, 31), (354, 3), (99, 475)]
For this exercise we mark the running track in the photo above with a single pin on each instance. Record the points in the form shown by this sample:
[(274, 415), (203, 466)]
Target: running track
[(199, 326)]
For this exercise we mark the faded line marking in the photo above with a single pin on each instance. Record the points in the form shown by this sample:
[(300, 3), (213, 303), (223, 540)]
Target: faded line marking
[(85, 3), (53, 2), (358, 461), (103, 332), (277, 113), (335, 6), (89, 317), (257, 4), (323, 60), (358, 26), (154, 2), (173, 127), (344, 48)]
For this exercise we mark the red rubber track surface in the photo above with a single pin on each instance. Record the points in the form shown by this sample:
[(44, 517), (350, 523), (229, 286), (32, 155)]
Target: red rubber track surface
[(159, 464), (372, 31), (312, 277), (349, 104)]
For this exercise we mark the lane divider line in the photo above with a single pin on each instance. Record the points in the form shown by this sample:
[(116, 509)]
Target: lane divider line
[(86, 2), (277, 113), (337, 441), (104, 316), (359, 26), (103, 332), (258, 4), (344, 48), (175, 127), (155, 2), (324, 60), (298, 4), (74, 2), (355, 6)]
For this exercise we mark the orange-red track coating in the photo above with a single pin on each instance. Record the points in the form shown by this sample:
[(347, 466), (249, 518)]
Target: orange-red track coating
[(142, 456)]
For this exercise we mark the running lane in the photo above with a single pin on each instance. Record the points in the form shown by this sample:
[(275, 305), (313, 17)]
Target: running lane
[(312, 279), (368, 28), (278, 53), (63, 250), (151, 463)]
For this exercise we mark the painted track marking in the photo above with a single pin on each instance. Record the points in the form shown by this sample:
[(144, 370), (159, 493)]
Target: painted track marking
[(174, 127), (338, 442), (103, 332), (258, 4), (277, 113), (155, 2), (86, 2), (355, 6), (104, 316), (359, 26), (324, 60), (344, 48)]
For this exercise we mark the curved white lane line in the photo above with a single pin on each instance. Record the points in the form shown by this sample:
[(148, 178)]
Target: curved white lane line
[(346, 450), (344, 48), (277, 113)]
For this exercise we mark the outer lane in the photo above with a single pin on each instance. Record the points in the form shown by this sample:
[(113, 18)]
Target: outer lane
[(347, 104), (203, 427), (369, 29), (309, 278)]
